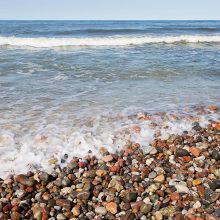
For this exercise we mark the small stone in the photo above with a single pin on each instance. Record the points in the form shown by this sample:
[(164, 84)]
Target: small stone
[(66, 190), (181, 188), (112, 207), (195, 151), (214, 184), (216, 154), (43, 176), (130, 197), (82, 164), (73, 165), (196, 182), (37, 212), (107, 158), (196, 126), (135, 206), (214, 197), (83, 195), (153, 151), (160, 178), (146, 208), (174, 196), (201, 191), (15, 202), (114, 168), (115, 182), (61, 216), (101, 173), (7, 208), (182, 152), (168, 211), (53, 161), (153, 187), (65, 203), (101, 210), (197, 205), (152, 175), (158, 216), (136, 178), (76, 211)]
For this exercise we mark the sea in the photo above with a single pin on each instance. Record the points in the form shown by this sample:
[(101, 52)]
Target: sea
[(72, 88)]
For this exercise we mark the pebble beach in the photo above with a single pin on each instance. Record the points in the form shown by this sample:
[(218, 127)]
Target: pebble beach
[(178, 178), (115, 120)]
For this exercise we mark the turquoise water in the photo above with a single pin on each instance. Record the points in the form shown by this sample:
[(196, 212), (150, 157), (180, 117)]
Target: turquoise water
[(79, 81)]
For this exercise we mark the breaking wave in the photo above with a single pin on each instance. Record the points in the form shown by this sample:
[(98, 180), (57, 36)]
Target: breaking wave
[(43, 42)]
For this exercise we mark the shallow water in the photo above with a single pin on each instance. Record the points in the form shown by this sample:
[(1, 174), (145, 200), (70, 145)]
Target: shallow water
[(82, 96)]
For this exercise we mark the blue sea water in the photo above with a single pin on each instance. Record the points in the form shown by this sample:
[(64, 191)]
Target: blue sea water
[(73, 81)]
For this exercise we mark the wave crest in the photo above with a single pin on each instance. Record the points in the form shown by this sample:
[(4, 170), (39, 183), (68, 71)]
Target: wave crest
[(105, 41)]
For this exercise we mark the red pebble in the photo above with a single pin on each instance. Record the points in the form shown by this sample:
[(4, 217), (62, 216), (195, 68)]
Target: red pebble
[(7, 208), (82, 164), (174, 196), (115, 169)]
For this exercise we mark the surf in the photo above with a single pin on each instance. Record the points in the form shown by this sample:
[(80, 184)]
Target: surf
[(45, 42)]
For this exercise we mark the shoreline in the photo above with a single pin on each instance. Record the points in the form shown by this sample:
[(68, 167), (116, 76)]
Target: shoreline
[(178, 179)]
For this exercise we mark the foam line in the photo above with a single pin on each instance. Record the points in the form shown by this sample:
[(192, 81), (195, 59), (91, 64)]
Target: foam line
[(105, 41)]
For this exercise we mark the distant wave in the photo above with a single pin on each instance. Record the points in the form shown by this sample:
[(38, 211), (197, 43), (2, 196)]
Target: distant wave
[(105, 41)]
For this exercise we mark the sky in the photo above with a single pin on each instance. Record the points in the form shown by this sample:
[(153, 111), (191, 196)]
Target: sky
[(110, 9)]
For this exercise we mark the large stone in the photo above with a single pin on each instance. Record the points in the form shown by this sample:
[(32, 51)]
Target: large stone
[(24, 180)]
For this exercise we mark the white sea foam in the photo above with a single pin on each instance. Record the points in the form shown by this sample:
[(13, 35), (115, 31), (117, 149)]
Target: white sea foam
[(42, 42), (31, 148)]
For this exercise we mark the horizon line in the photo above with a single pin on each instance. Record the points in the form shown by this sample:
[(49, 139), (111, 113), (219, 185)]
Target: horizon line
[(109, 19)]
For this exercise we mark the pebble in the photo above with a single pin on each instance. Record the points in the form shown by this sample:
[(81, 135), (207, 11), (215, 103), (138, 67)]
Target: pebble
[(83, 195), (130, 197), (182, 153), (181, 188), (112, 207), (146, 208), (152, 175), (216, 154), (197, 205), (197, 182), (65, 203), (101, 210), (159, 179)]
